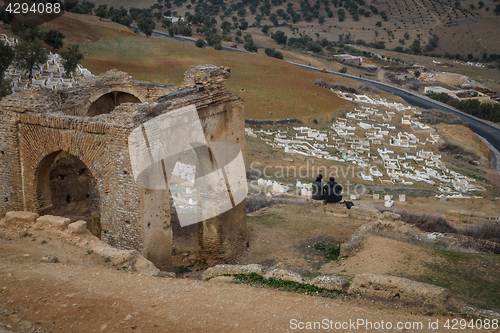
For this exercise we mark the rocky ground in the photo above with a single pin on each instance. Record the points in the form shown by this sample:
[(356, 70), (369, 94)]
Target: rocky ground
[(91, 287), (83, 293)]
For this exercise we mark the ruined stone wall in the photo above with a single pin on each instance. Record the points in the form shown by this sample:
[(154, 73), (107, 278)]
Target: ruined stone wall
[(11, 197), (37, 124)]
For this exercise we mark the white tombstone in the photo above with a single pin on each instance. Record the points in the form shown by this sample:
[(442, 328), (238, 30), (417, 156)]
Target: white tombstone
[(354, 197), (269, 182), (260, 181), (387, 197), (389, 203), (299, 184), (287, 149), (402, 197)]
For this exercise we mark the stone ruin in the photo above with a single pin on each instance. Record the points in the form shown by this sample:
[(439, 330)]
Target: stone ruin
[(66, 153)]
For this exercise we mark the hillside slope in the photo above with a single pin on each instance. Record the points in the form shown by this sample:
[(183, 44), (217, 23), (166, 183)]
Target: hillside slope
[(270, 88)]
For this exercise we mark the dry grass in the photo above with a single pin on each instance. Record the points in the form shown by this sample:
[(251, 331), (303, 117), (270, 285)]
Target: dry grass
[(270, 88), (427, 222)]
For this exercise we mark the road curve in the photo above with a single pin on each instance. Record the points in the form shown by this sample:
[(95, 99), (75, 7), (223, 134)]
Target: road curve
[(488, 131)]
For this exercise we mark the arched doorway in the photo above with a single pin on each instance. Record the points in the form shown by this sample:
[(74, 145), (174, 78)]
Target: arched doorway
[(107, 102), (65, 187)]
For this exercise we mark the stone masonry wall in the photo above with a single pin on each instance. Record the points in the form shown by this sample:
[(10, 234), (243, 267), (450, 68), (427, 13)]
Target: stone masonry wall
[(37, 124)]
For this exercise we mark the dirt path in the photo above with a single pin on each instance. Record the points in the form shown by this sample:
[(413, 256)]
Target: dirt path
[(83, 293)]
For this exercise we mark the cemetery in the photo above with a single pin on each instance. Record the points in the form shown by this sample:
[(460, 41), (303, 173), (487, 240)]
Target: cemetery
[(50, 75), (383, 139)]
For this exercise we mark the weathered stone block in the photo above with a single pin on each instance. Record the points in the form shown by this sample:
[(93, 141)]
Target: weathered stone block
[(330, 282), (231, 269), (56, 222), (20, 219), (78, 227), (387, 286)]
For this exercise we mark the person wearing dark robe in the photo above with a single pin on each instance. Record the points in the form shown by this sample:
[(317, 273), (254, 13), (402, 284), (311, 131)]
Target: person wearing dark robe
[(317, 188), (332, 191)]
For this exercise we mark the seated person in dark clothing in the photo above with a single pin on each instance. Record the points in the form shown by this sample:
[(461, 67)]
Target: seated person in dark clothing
[(317, 188), (332, 191)]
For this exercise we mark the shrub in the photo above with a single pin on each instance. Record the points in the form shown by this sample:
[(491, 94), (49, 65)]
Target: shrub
[(457, 152), (427, 222), (200, 43), (254, 203), (433, 116), (487, 230), (335, 86), (369, 88)]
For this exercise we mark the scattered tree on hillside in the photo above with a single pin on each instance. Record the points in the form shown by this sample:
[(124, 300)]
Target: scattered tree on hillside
[(497, 10), (200, 42), (343, 70), (341, 14), (54, 39), (146, 25), (249, 44), (5, 16), (102, 12), (270, 52), (415, 47), (30, 52), (265, 29), (279, 37), (71, 58), (6, 57)]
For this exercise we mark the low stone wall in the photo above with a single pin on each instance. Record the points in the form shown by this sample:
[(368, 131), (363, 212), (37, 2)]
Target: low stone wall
[(383, 286), (386, 286), (18, 223)]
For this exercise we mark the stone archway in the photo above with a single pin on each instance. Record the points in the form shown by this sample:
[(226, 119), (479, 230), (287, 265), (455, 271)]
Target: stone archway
[(107, 102), (65, 187)]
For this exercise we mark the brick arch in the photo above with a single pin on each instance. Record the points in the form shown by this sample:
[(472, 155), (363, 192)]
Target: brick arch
[(110, 98), (44, 144), (44, 197)]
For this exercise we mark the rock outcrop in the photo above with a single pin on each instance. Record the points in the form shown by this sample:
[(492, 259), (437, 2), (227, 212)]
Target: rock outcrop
[(387, 286)]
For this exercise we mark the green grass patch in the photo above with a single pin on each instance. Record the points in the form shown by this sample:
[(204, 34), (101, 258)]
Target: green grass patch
[(257, 280), (269, 219), (329, 251), (471, 277), (182, 269)]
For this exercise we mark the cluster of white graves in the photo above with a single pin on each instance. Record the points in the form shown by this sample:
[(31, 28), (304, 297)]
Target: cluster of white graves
[(384, 139), (50, 75), (272, 186)]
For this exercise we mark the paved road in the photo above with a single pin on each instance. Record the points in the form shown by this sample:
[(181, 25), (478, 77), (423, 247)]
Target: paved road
[(485, 129)]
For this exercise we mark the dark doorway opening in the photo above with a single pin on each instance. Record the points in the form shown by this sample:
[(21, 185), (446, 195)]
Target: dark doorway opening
[(65, 187), (107, 102)]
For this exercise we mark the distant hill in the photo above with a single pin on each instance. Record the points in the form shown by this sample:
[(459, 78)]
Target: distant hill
[(464, 27), (270, 88)]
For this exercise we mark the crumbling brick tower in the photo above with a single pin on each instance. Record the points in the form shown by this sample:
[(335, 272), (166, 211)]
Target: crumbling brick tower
[(90, 124)]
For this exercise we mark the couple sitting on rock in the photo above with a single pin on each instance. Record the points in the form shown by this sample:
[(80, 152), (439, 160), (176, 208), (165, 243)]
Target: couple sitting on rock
[(331, 192)]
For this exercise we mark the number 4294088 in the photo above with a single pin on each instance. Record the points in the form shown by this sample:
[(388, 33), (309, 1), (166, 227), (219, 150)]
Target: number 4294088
[(455, 324), (35, 8)]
